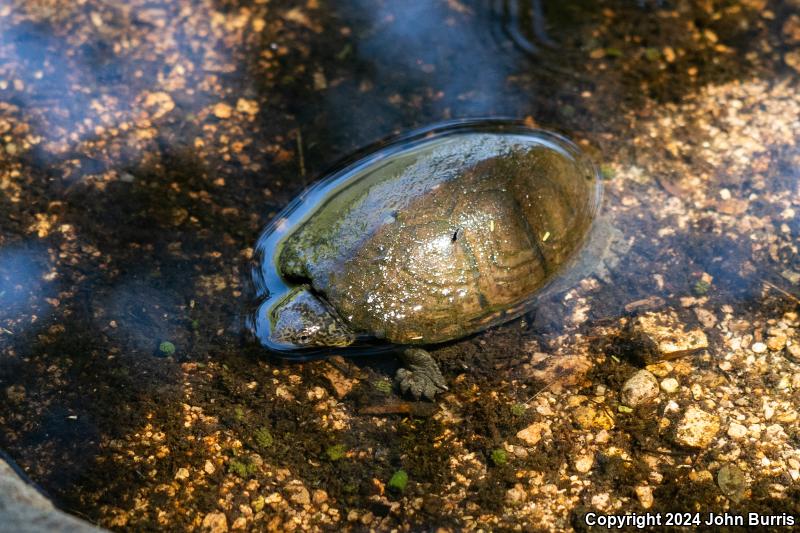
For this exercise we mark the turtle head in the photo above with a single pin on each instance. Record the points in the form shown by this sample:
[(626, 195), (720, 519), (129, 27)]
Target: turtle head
[(304, 321)]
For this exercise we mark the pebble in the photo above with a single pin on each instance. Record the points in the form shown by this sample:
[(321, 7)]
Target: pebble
[(639, 389), (794, 351), (707, 318), (668, 336), (791, 29), (737, 431), (532, 434), (182, 473), (696, 429), (215, 523), (793, 59), (298, 493), (584, 463), (670, 385), (759, 347), (15, 393), (249, 107), (588, 417), (645, 495), (516, 494), (777, 342), (341, 385), (222, 110), (732, 482)]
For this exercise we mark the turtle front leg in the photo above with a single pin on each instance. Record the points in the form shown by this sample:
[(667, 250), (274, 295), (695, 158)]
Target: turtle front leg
[(420, 374)]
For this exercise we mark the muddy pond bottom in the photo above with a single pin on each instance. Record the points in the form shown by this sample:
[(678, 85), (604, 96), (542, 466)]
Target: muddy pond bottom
[(423, 239)]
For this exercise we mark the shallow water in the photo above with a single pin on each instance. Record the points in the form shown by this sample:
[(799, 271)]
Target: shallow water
[(144, 146)]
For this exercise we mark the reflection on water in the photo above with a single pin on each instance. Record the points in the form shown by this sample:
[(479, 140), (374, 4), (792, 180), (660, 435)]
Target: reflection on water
[(26, 282), (524, 22), (144, 145)]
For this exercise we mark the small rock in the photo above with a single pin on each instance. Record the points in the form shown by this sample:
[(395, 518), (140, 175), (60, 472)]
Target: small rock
[(759, 347), (320, 81), (737, 431), (670, 385), (181, 474), (341, 385), (516, 494), (777, 342), (663, 336), (697, 429), (249, 107), (584, 463), (320, 496), (793, 350), (367, 518), (215, 523), (298, 493), (732, 482), (791, 29), (239, 523), (706, 317), (600, 501), (652, 302), (532, 434), (159, 103), (793, 59), (588, 417), (222, 110), (209, 467), (15, 393), (734, 206), (641, 388), (645, 495), (701, 476), (519, 451), (283, 393)]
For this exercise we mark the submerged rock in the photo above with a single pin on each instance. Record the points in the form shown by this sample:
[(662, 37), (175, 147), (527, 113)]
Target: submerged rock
[(663, 336), (732, 482), (24, 509), (697, 429), (641, 388)]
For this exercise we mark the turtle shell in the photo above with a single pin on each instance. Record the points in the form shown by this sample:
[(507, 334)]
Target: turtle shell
[(440, 234)]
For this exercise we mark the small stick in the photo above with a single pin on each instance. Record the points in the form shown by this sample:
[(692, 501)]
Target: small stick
[(538, 392), (300, 154), (787, 294), (421, 409)]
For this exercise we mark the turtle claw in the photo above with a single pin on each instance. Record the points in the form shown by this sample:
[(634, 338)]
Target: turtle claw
[(421, 376)]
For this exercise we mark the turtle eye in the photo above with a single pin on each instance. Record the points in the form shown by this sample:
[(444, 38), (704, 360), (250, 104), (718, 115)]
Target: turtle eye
[(304, 339)]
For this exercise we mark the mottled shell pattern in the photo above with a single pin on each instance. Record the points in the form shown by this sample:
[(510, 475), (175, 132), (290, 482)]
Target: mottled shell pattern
[(439, 235)]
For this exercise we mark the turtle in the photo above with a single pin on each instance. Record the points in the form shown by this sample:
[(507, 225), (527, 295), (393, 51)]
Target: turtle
[(428, 239)]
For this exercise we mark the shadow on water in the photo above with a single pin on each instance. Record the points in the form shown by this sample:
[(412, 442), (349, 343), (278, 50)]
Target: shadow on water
[(143, 148)]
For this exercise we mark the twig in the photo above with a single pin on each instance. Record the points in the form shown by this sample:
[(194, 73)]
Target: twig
[(420, 409), (787, 294), (529, 400), (300, 154)]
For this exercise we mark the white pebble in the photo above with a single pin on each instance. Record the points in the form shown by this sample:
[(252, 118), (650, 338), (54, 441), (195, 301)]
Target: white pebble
[(737, 431), (640, 388), (669, 385), (584, 463)]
